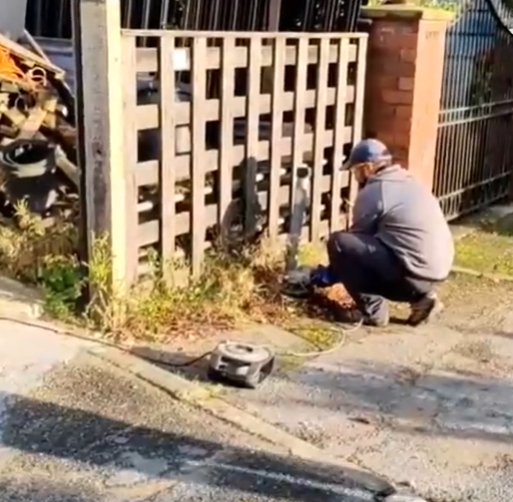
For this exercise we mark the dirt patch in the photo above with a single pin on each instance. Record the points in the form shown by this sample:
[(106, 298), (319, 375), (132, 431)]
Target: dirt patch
[(471, 298), (477, 350)]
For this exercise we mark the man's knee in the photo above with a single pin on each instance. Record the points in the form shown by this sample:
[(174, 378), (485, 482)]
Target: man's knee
[(340, 244)]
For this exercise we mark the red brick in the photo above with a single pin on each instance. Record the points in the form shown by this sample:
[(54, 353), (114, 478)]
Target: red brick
[(402, 90), (385, 82), (397, 97), (408, 55), (401, 69), (406, 84), (403, 111), (402, 128), (395, 41)]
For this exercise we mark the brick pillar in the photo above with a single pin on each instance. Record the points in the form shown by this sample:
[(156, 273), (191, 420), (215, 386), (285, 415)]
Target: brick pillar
[(404, 80)]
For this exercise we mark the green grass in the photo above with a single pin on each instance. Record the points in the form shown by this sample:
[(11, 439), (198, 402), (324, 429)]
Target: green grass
[(489, 249), (446, 5)]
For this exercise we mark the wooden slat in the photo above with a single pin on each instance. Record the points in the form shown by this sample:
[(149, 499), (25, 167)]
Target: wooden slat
[(167, 153), (148, 232), (146, 268), (148, 115), (358, 110), (252, 130), (147, 58), (320, 124), (299, 111), (130, 156), (182, 195), (147, 172), (199, 87), (244, 34), (226, 130), (276, 134), (340, 134), (29, 58)]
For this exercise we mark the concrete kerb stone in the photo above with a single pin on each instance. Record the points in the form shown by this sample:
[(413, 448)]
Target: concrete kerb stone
[(19, 300), (197, 395)]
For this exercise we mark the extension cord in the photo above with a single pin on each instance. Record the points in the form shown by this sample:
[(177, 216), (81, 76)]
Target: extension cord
[(190, 362)]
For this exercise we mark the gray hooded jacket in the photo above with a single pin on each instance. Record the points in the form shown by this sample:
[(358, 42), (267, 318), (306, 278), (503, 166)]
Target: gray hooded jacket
[(400, 211)]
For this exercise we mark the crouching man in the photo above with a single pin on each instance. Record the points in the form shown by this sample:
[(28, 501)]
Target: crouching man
[(399, 246)]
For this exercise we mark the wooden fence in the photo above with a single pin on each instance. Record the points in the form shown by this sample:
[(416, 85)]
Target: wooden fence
[(200, 134)]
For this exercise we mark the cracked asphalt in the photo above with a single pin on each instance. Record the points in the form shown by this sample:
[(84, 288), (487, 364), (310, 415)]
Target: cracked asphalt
[(430, 408), (75, 429)]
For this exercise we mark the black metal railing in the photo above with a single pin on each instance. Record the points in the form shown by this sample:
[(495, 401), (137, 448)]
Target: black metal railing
[(52, 18), (474, 157)]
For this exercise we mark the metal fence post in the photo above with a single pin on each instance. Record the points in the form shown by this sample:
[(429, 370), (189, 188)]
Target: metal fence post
[(297, 216), (98, 53)]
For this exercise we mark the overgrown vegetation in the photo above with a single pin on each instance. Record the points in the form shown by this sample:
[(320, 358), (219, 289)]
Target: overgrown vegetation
[(234, 287)]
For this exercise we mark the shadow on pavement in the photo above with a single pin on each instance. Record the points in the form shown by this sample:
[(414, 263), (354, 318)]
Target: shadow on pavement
[(462, 405), (42, 492), (38, 427)]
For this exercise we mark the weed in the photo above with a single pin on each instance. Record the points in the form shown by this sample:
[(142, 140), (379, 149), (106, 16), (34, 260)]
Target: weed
[(234, 287), (62, 282), (27, 243), (486, 252)]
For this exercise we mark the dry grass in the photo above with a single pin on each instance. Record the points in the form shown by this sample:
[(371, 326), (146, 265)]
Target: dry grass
[(27, 244), (233, 288)]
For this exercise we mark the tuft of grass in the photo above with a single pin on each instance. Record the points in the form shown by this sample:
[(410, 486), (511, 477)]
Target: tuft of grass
[(312, 254), (62, 281), (27, 244), (232, 288), (40, 254), (235, 287), (489, 249)]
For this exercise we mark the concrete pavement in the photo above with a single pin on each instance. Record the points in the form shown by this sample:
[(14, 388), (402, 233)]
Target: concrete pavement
[(431, 408), (76, 429)]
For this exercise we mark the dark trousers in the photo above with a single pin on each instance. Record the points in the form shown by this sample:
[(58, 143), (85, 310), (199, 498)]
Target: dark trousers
[(371, 272)]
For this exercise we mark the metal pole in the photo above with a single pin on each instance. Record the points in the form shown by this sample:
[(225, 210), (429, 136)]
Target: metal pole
[(301, 202)]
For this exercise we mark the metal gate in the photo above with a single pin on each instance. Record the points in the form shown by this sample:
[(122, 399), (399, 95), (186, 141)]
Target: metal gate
[(474, 151), (52, 18)]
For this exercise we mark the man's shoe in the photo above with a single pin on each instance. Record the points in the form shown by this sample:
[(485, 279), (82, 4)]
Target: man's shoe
[(354, 316), (424, 309), (376, 322)]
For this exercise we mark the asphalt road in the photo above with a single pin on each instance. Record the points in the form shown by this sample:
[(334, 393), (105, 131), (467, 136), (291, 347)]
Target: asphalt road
[(74, 429)]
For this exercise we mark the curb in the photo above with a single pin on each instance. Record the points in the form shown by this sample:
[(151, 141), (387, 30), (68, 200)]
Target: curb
[(196, 395), (19, 300), (485, 275)]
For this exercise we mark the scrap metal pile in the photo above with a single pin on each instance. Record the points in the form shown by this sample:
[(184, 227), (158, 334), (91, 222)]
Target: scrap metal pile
[(37, 133)]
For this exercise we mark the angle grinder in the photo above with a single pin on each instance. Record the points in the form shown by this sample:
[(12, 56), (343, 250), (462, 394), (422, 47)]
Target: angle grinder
[(301, 282)]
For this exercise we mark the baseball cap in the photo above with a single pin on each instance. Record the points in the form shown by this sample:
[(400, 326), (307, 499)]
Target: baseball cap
[(368, 150)]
